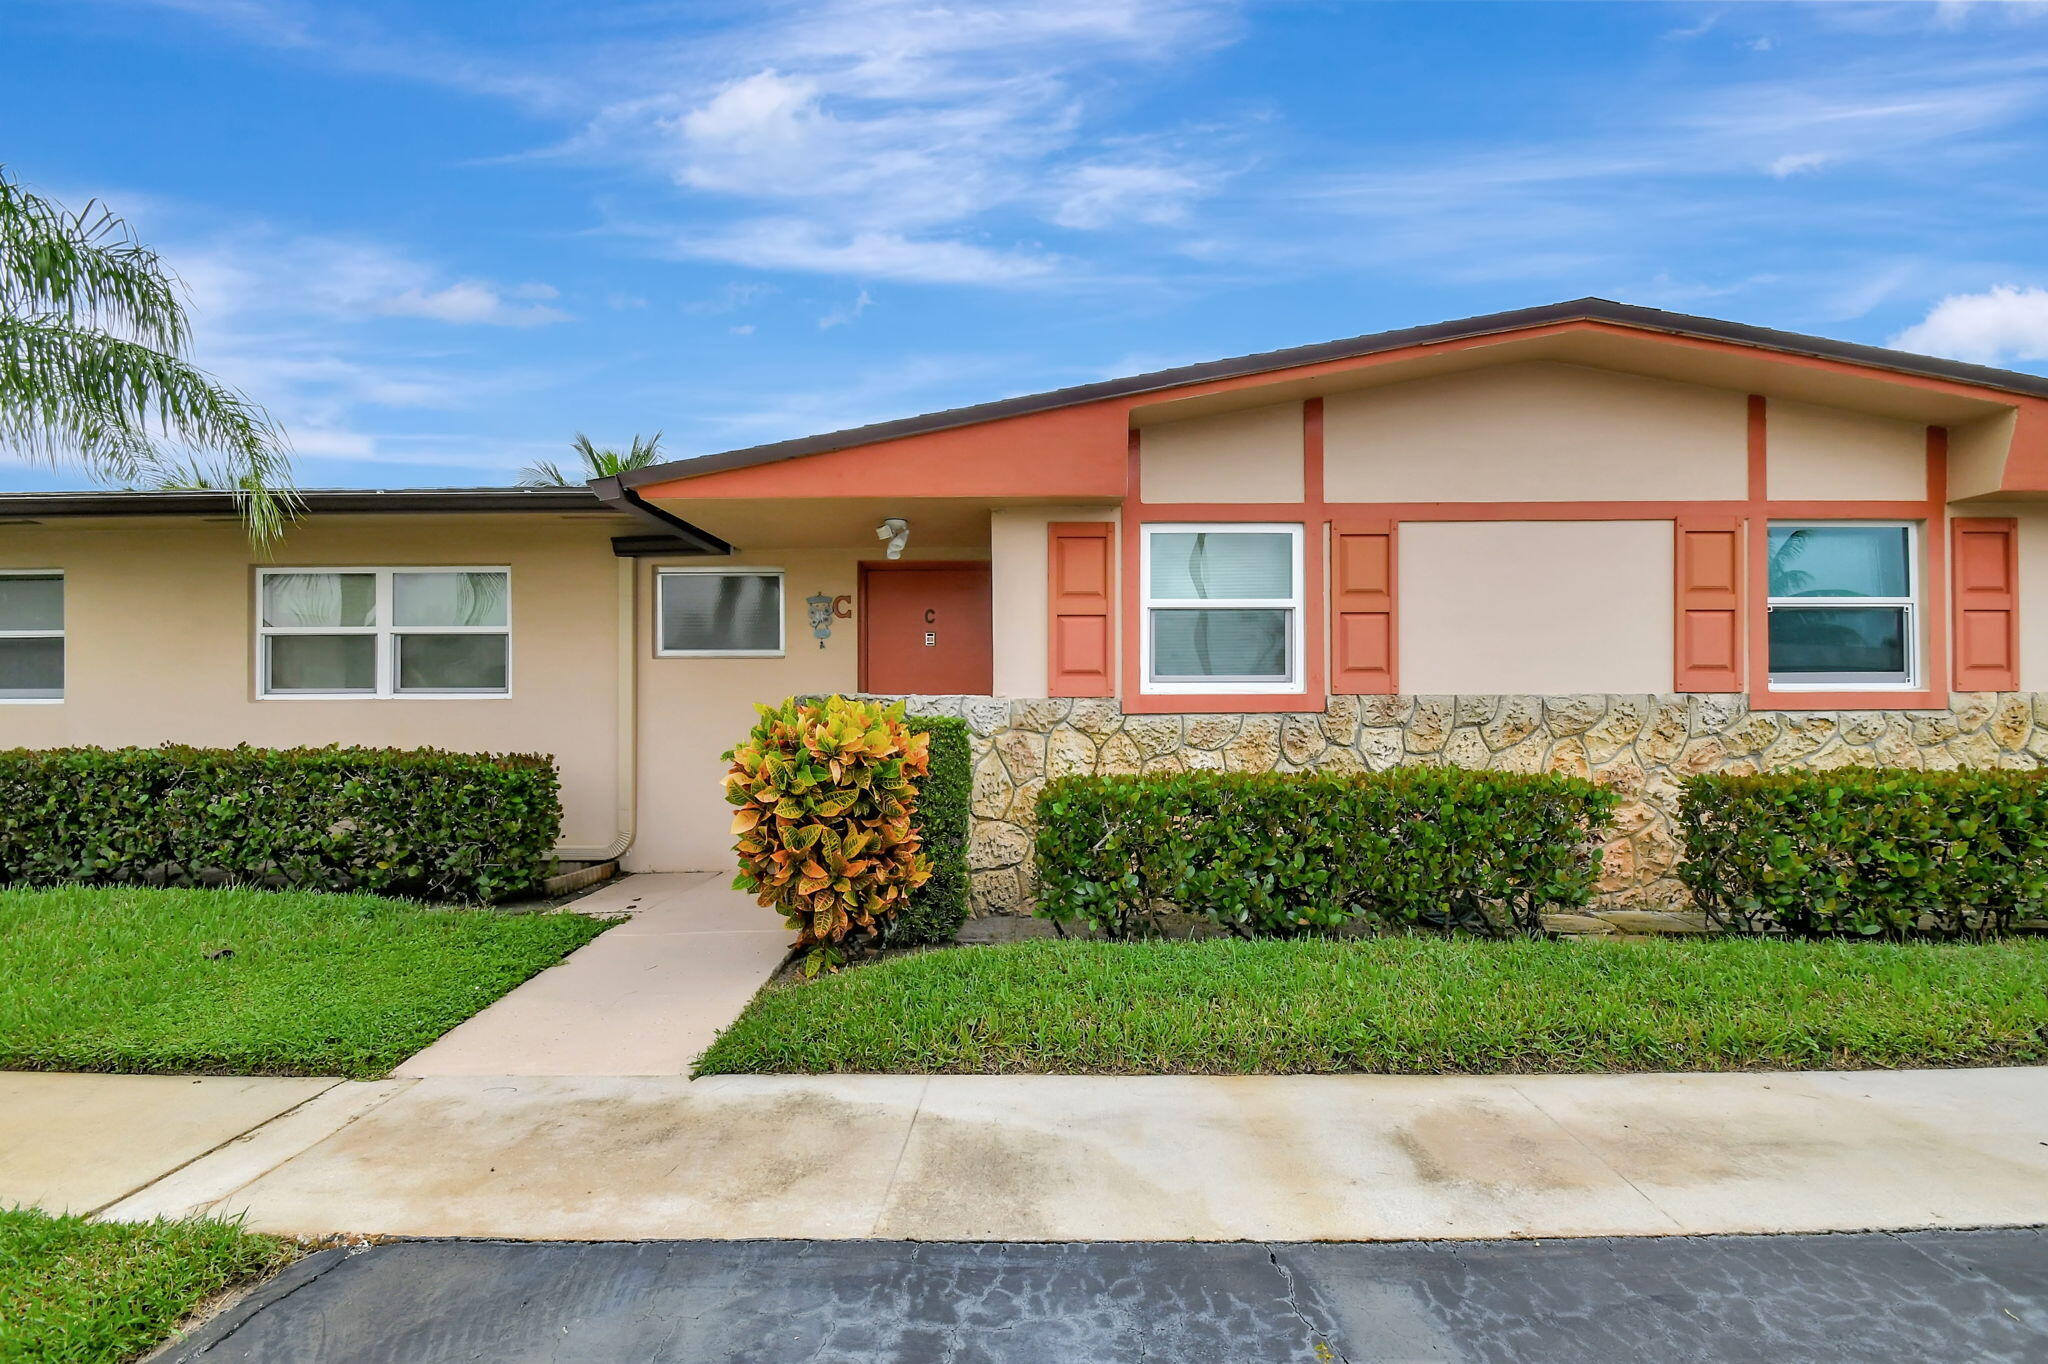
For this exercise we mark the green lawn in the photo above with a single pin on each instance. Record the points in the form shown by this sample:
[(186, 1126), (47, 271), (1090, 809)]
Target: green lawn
[(251, 982), (85, 1292), (1405, 1005)]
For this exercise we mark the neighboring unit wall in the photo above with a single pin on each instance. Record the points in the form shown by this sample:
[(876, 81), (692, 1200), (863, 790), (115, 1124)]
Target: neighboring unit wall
[(1643, 746), (1536, 432), (1535, 606), (159, 643)]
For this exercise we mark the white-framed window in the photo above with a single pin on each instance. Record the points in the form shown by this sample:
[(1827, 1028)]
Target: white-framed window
[(1223, 610), (719, 613), (31, 634), (383, 632), (1844, 606)]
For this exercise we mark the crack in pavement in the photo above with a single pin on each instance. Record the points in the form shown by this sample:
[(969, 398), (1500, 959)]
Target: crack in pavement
[(1294, 1305)]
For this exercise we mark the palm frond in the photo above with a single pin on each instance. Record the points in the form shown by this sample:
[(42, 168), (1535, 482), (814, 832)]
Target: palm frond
[(643, 453), (598, 462), (544, 473), (86, 265), (92, 366), (122, 408)]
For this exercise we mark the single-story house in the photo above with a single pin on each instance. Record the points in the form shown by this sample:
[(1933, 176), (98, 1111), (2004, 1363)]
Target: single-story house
[(1586, 537)]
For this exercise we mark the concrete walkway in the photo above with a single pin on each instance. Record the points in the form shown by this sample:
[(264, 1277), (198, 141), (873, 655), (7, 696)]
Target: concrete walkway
[(644, 999), (77, 1143), (1056, 1158)]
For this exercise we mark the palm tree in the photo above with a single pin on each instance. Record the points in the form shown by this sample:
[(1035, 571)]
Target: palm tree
[(93, 371), (545, 473)]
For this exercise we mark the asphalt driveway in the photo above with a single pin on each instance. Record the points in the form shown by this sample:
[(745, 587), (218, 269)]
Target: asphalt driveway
[(1977, 1295)]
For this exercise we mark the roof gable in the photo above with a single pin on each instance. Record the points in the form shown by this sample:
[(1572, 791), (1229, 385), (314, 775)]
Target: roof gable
[(1086, 442)]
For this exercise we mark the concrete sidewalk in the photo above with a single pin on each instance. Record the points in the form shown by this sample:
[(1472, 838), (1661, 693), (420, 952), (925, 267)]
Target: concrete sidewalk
[(1031, 1158), (78, 1143), (644, 999)]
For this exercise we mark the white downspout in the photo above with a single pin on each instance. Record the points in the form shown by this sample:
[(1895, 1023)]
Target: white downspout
[(627, 704)]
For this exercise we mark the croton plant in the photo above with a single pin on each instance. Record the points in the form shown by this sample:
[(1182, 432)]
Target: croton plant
[(825, 790)]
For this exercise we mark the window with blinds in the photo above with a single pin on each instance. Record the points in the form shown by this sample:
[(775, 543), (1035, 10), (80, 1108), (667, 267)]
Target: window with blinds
[(384, 632), (1223, 608), (719, 613)]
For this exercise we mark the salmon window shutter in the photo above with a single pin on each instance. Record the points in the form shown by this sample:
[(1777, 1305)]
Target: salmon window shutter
[(1708, 630), (1985, 570), (1080, 556), (1362, 593)]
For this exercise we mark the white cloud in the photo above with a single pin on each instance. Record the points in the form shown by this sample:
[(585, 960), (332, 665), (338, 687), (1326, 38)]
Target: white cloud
[(914, 383), (886, 129), (1103, 195), (263, 272), (731, 297), (839, 317), (2004, 323), (1860, 294), (304, 324), (1605, 203), (905, 126), (1700, 29), (346, 39), (799, 244), (471, 302), (1795, 162)]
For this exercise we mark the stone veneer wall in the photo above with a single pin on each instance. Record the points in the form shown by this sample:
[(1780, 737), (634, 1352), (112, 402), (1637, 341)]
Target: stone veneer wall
[(1642, 745)]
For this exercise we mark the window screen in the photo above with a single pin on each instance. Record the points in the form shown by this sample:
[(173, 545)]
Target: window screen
[(721, 613), (31, 637), (1842, 605), (1222, 608)]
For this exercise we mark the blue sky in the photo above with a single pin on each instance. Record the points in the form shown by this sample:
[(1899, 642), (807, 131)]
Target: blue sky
[(438, 239)]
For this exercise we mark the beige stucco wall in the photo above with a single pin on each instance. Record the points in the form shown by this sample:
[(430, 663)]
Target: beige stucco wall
[(693, 709), (1976, 454), (1539, 432), (1248, 456), (1536, 606), (159, 619), (1018, 587), (1815, 453)]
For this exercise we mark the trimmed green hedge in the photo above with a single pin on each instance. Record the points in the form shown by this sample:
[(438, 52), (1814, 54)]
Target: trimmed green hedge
[(1869, 852), (939, 906), (1291, 853), (417, 822)]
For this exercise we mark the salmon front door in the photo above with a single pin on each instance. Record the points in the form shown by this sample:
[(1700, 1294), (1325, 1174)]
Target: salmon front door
[(924, 630)]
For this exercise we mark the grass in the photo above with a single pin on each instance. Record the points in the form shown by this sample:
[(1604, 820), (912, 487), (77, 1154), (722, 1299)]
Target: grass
[(1405, 1005), (247, 982), (85, 1292)]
